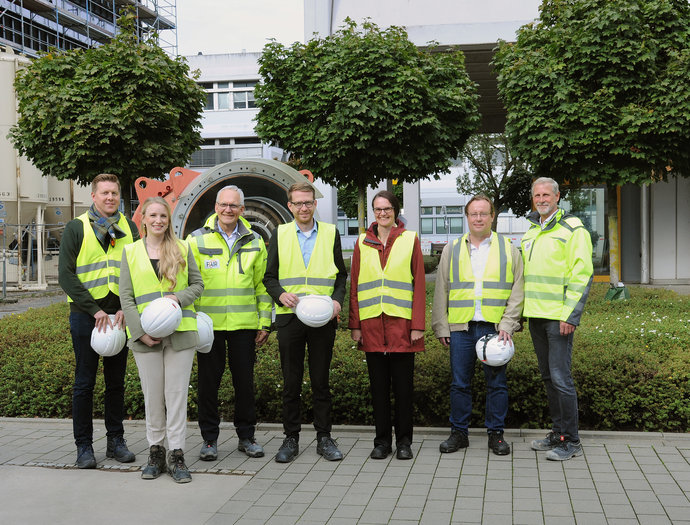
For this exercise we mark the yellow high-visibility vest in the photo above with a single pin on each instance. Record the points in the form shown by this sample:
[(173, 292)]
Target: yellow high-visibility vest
[(387, 289), (234, 295), (147, 286), (558, 268), (497, 281), (98, 270), (316, 279)]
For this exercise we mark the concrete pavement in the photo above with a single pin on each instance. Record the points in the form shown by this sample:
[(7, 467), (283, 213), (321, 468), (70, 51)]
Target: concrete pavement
[(622, 478)]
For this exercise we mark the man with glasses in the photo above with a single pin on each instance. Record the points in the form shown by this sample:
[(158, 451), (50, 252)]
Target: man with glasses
[(305, 258), (232, 261), (479, 291)]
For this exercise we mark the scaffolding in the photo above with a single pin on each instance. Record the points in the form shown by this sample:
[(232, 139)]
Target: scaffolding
[(32, 26)]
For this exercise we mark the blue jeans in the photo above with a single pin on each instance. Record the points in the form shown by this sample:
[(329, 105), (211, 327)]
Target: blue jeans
[(554, 352), (463, 357), (86, 368)]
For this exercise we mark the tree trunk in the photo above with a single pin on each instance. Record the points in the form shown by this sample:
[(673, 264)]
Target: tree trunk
[(612, 213), (362, 208)]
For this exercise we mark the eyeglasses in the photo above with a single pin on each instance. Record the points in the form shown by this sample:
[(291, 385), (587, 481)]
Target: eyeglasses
[(379, 211), (478, 215), (306, 204), (232, 207)]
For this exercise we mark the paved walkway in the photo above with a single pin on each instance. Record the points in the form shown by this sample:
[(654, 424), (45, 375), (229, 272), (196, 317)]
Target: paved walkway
[(622, 478)]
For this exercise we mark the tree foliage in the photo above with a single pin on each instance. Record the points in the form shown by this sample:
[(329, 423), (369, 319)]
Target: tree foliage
[(492, 169), (365, 105), (125, 108), (597, 91)]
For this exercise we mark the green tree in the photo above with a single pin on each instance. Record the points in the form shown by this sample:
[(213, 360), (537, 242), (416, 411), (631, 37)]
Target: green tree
[(125, 108), (365, 105), (492, 169), (597, 92)]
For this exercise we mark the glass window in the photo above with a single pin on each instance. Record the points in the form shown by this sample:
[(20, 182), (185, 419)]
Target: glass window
[(352, 227), (341, 226), (455, 224), (209, 101), (427, 225), (223, 101), (245, 84), (427, 210), (222, 85), (455, 210), (239, 100), (206, 85), (250, 99), (441, 225)]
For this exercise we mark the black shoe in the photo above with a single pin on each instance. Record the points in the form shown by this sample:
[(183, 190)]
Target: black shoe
[(209, 451), (455, 442), (85, 457), (327, 448), (380, 452), (288, 450), (177, 468), (403, 451), (250, 447), (496, 443), (156, 464), (117, 448)]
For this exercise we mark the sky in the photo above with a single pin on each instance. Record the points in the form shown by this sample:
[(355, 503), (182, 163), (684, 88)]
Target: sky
[(230, 26)]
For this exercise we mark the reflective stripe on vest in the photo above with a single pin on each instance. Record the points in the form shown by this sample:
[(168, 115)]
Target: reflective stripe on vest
[(98, 270), (230, 297), (319, 277), (147, 286), (386, 289), (497, 281)]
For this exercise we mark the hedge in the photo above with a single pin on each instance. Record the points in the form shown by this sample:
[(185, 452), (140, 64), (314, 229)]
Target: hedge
[(631, 366)]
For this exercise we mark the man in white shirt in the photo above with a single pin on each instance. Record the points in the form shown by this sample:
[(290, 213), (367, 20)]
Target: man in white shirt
[(479, 291)]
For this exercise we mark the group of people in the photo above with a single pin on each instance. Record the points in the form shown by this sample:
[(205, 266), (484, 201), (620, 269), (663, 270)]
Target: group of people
[(484, 285)]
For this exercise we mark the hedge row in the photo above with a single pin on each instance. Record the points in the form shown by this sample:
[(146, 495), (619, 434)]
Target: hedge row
[(631, 366)]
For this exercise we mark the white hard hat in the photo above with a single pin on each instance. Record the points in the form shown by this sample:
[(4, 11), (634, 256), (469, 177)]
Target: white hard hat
[(161, 317), (494, 352), (314, 310), (109, 342), (204, 325)]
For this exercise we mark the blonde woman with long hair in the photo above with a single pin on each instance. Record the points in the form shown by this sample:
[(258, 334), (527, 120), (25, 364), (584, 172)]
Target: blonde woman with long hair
[(161, 265)]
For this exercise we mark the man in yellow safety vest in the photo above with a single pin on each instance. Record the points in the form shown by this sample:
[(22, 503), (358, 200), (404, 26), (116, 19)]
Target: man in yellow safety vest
[(232, 261), (557, 250), (89, 271), (479, 291), (305, 258)]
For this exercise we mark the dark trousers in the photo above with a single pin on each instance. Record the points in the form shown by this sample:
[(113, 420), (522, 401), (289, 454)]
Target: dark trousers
[(396, 370), (554, 352), (86, 368), (241, 355), (292, 340)]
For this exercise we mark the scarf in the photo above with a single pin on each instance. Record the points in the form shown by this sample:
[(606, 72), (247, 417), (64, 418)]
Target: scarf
[(105, 228)]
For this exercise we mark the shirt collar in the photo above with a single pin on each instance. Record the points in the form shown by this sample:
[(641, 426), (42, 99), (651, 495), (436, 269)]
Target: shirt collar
[(314, 229)]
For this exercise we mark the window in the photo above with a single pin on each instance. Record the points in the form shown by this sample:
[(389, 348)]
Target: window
[(427, 210), (441, 225), (221, 150), (442, 220), (455, 224), (223, 96), (427, 226)]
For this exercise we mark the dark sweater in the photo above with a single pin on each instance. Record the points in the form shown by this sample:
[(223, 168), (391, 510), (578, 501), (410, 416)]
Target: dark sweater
[(70, 244)]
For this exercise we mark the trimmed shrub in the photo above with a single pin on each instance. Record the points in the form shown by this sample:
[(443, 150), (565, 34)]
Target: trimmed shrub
[(631, 364)]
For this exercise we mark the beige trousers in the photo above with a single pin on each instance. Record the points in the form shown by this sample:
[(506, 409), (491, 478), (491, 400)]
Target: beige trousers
[(164, 379)]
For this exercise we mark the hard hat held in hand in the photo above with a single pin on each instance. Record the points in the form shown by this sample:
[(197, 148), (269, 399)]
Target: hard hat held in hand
[(204, 326), (494, 352), (109, 342), (314, 310), (161, 317)]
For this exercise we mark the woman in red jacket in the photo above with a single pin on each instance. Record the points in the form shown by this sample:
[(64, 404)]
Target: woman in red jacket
[(387, 310)]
